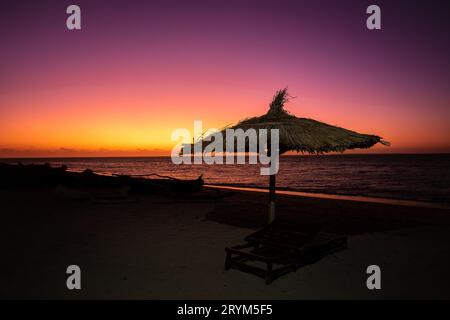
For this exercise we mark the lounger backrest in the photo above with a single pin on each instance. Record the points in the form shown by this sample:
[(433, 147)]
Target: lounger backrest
[(282, 233)]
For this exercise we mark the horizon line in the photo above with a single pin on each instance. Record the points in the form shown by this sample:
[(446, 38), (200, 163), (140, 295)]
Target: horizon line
[(283, 155)]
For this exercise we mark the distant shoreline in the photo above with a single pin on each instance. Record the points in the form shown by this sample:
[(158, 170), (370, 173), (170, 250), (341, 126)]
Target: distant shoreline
[(399, 202)]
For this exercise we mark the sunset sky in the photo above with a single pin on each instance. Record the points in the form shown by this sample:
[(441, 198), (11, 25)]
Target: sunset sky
[(140, 69)]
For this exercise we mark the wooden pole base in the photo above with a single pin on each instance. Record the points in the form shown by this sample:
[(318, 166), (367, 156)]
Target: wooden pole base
[(271, 215)]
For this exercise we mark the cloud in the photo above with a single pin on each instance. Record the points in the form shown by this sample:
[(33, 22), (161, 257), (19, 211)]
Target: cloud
[(74, 152)]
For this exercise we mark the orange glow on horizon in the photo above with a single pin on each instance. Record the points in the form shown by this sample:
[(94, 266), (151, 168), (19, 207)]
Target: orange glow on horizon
[(95, 126), (142, 126)]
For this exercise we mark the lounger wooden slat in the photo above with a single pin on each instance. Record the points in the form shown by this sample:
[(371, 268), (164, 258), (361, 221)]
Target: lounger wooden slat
[(279, 248)]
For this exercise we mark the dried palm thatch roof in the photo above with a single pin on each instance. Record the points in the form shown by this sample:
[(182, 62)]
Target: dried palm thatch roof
[(302, 134)]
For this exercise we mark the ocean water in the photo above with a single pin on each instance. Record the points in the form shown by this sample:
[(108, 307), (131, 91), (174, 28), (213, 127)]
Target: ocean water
[(420, 177)]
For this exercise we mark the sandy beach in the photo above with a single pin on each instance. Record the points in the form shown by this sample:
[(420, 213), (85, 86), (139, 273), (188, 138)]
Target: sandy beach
[(167, 247)]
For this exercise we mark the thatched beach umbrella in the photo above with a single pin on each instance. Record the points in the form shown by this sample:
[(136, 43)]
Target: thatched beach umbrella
[(301, 135)]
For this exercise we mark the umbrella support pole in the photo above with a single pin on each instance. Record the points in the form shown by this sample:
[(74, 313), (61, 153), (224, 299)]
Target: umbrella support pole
[(271, 213)]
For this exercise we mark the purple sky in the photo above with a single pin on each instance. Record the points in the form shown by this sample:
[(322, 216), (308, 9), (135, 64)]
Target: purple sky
[(164, 64)]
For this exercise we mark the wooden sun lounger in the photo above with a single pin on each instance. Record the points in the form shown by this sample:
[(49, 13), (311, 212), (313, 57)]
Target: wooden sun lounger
[(279, 248)]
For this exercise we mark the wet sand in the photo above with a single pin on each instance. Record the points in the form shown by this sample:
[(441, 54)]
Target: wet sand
[(170, 247)]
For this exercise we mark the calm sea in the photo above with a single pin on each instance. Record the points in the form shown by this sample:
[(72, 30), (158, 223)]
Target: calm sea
[(407, 177)]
